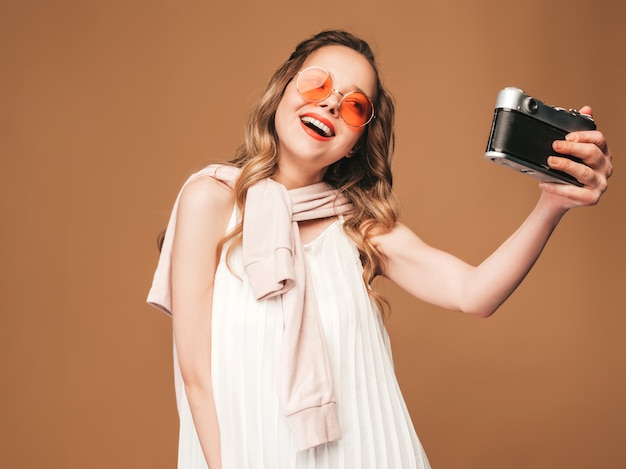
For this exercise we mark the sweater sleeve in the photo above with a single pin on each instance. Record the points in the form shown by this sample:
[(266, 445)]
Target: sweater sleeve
[(268, 252)]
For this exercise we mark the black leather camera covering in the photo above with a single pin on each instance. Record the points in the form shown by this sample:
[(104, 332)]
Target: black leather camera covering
[(528, 140)]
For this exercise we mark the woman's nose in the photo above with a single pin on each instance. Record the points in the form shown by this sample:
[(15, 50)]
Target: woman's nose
[(332, 102)]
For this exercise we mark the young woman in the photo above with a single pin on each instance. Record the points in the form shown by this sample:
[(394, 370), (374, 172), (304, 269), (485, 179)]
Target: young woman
[(281, 356)]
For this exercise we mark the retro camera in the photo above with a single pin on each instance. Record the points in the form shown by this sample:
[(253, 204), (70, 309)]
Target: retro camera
[(523, 130)]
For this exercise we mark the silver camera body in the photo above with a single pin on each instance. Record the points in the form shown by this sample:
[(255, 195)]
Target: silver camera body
[(522, 133)]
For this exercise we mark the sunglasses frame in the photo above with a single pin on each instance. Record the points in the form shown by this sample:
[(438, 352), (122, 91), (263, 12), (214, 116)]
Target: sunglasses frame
[(330, 91)]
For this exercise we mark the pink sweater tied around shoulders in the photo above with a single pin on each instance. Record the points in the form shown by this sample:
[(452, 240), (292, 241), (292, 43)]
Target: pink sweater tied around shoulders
[(274, 262)]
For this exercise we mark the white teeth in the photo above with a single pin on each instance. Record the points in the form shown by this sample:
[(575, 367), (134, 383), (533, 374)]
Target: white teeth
[(320, 125)]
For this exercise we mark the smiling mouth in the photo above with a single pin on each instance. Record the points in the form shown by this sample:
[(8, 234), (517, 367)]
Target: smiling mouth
[(317, 126)]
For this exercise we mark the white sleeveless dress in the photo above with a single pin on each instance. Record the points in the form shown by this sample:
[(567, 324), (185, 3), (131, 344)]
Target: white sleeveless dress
[(376, 426)]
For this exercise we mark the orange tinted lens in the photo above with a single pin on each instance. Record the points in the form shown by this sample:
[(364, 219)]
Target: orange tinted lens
[(356, 109), (314, 84)]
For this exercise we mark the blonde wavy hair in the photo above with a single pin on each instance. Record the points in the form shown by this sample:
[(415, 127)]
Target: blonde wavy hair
[(365, 179)]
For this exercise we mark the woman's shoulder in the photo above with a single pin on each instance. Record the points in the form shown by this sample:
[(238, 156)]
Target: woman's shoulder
[(205, 194), (397, 238)]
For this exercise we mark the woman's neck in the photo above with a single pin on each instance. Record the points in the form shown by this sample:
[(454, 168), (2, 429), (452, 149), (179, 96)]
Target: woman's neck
[(298, 178)]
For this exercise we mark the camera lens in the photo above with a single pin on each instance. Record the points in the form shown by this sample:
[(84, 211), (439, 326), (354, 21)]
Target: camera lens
[(532, 105)]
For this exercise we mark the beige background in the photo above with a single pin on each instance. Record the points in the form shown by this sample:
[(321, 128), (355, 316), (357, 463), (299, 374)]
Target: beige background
[(107, 106)]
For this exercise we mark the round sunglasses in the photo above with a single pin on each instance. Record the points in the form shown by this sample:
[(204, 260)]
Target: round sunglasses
[(315, 84)]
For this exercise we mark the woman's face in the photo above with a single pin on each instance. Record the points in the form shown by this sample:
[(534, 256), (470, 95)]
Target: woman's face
[(307, 148)]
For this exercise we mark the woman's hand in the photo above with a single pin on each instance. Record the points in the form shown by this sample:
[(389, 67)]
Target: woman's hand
[(591, 147)]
